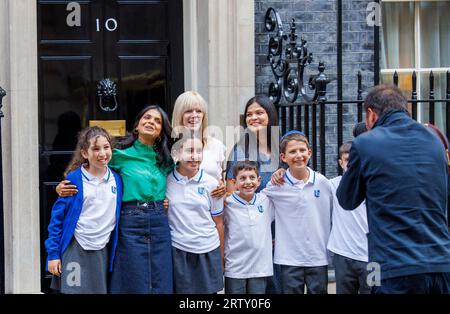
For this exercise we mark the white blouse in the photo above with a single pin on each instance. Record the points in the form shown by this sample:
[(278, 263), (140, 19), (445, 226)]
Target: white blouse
[(213, 158)]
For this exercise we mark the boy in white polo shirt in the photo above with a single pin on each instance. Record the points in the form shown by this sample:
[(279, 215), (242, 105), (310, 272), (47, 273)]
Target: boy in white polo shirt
[(248, 236), (303, 206), (348, 239), (195, 220)]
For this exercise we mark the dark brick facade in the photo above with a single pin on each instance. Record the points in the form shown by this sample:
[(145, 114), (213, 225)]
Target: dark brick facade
[(317, 22)]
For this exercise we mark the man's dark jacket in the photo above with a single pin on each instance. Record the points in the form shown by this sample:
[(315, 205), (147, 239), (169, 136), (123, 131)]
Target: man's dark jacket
[(400, 168)]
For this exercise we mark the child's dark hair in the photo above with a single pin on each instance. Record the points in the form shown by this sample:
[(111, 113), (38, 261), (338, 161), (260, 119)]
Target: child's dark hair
[(84, 141), (345, 149), (162, 146), (293, 137), (245, 165)]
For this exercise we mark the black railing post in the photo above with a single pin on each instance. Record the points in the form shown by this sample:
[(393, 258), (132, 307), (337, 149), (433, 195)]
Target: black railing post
[(314, 134), (321, 82), (2, 229), (414, 96), (376, 52), (283, 120), (298, 117), (306, 120), (395, 77), (359, 97), (431, 102), (291, 117)]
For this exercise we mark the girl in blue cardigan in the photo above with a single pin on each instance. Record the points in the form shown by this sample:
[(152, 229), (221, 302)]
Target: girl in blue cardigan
[(83, 228)]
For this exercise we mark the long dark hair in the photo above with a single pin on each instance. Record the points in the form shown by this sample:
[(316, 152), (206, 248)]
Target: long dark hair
[(162, 146), (267, 105), (84, 141), (272, 113)]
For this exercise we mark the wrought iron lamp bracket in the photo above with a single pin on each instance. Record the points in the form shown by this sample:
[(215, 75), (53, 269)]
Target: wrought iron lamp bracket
[(288, 65)]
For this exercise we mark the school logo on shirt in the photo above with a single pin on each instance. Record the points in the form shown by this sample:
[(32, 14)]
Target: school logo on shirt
[(317, 193), (260, 208), (201, 190), (113, 190)]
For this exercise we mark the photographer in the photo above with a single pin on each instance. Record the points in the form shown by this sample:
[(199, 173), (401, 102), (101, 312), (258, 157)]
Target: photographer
[(400, 168)]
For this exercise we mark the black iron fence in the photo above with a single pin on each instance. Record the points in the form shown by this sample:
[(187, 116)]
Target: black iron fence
[(302, 105)]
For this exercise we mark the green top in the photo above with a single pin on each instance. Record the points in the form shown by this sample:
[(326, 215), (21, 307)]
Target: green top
[(142, 179)]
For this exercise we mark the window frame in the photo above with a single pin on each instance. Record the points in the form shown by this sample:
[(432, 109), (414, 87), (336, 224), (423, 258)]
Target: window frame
[(417, 57)]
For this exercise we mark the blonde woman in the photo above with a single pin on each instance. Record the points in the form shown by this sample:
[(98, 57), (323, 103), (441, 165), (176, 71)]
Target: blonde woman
[(190, 114)]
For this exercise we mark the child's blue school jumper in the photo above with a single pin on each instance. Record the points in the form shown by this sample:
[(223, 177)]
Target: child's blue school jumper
[(65, 214)]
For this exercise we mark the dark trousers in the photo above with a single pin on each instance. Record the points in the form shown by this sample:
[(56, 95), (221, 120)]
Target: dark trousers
[(274, 282), (431, 283), (273, 285), (246, 286), (351, 275), (294, 279)]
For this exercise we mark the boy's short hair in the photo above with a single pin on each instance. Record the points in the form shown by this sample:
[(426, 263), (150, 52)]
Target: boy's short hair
[(345, 149), (293, 136), (245, 165)]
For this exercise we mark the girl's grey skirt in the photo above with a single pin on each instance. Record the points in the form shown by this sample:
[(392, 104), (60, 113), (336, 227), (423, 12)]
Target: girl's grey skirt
[(197, 273), (83, 271)]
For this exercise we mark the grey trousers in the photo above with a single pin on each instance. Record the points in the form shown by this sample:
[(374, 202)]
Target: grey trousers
[(351, 275), (294, 279), (246, 286)]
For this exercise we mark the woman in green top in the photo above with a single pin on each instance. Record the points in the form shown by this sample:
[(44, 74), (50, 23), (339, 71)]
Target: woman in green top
[(143, 261)]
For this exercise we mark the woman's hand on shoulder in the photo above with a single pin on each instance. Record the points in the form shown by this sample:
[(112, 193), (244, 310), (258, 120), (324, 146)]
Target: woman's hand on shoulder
[(65, 189), (277, 177), (220, 190)]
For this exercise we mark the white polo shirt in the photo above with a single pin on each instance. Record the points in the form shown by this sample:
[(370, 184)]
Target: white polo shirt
[(191, 208), (349, 231), (213, 157), (248, 237), (302, 219), (98, 215)]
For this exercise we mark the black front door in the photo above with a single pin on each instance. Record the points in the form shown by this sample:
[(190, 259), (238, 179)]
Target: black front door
[(136, 44)]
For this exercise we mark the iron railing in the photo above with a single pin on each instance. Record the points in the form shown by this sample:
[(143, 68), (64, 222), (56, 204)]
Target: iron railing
[(302, 105)]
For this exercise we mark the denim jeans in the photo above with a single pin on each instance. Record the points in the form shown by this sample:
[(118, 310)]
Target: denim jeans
[(143, 261)]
